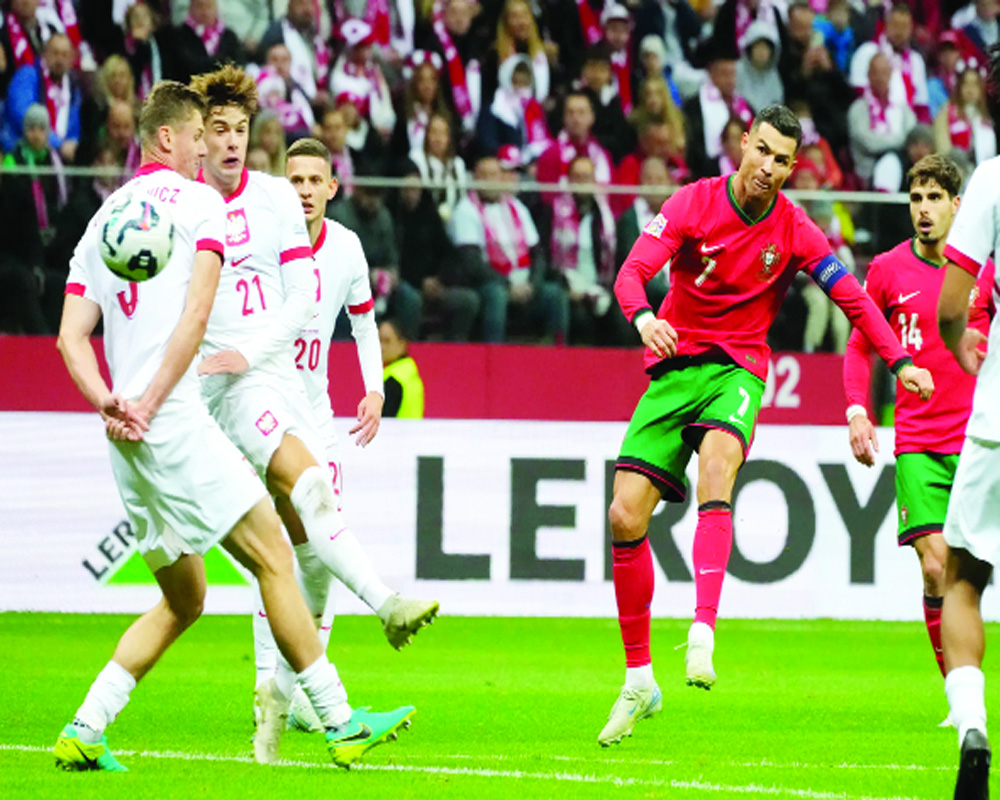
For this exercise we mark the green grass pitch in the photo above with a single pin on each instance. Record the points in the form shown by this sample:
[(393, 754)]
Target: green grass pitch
[(506, 708)]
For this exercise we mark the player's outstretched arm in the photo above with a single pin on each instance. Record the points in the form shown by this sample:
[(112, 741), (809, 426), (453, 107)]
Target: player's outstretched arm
[(187, 336), (953, 316)]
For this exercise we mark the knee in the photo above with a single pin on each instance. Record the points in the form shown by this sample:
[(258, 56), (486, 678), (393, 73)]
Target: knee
[(627, 523), (716, 475), (932, 565), (187, 609)]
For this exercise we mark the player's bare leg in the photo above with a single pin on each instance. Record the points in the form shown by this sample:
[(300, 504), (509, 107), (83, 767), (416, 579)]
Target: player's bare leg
[(719, 459), (294, 474), (82, 745), (635, 498), (932, 550), (963, 639)]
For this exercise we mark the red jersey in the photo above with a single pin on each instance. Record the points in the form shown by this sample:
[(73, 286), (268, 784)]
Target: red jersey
[(729, 275), (905, 287)]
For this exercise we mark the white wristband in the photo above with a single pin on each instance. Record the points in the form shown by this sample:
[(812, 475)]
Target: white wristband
[(853, 411), (641, 319)]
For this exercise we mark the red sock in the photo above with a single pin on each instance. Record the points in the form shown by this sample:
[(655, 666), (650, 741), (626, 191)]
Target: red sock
[(713, 539), (633, 573), (932, 616)]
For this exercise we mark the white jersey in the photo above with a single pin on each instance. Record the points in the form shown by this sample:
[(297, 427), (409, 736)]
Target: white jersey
[(140, 318), (342, 282), (265, 235), (974, 237)]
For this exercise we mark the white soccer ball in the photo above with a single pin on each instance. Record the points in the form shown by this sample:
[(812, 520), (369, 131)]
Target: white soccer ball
[(137, 237)]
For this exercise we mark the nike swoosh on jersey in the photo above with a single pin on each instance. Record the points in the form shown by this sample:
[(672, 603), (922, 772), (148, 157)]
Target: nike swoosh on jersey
[(706, 250), (239, 261), (904, 297)]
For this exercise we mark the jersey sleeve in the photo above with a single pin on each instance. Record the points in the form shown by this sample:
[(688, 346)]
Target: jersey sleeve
[(79, 281), (857, 356), (361, 312), (210, 222), (658, 242), (973, 233)]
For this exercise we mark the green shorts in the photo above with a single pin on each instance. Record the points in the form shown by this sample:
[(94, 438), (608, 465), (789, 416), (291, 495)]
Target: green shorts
[(676, 411), (923, 485)]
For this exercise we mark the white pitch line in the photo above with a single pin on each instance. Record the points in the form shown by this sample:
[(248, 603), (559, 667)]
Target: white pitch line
[(481, 772)]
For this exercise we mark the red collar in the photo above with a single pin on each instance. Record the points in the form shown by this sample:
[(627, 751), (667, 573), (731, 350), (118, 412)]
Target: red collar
[(239, 189), (320, 239)]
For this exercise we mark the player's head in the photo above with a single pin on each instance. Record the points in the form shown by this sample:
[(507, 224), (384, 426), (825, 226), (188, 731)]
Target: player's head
[(769, 149), (172, 127), (935, 182), (308, 170), (230, 97)]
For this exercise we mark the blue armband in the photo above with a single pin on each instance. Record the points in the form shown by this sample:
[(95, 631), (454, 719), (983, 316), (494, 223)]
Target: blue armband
[(828, 272)]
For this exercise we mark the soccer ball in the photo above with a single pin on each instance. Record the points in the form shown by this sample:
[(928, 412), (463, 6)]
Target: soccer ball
[(137, 238)]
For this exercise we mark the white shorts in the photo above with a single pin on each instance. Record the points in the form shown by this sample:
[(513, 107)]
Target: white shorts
[(973, 519), (184, 486), (256, 410)]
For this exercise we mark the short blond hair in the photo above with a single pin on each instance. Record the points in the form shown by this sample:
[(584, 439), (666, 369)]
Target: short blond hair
[(168, 103)]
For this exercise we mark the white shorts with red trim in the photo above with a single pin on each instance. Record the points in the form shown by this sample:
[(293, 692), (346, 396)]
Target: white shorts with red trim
[(184, 486), (973, 519)]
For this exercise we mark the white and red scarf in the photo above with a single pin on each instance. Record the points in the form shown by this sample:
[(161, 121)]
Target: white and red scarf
[(565, 243), (24, 53), (210, 35), (716, 112), (310, 66), (64, 11), (343, 165), (878, 118), (288, 102), (621, 69), (58, 97), (495, 252), (152, 71), (376, 15), (589, 23), (592, 149), (464, 92), (959, 129), (767, 13), (904, 62)]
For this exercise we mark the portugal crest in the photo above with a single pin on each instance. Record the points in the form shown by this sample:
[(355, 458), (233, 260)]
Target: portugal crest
[(769, 257)]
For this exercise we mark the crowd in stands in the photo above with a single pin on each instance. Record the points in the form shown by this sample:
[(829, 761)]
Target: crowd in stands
[(644, 93)]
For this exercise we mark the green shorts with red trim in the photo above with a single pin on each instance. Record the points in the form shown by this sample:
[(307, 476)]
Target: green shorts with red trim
[(689, 398), (923, 485)]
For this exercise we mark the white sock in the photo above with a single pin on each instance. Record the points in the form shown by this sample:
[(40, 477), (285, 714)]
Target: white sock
[(966, 691), (265, 649), (639, 677), (108, 695), (284, 678), (322, 686), (333, 542), (314, 579)]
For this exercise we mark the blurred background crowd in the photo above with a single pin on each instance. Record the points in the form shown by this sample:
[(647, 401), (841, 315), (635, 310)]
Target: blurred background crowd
[(437, 95)]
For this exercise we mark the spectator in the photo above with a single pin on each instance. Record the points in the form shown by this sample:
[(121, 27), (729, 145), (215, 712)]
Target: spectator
[(676, 23), (515, 119), (119, 132), (258, 159), (278, 91), (657, 184), (202, 43), (580, 231), (144, 48), (23, 36), (50, 84), (909, 74), (114, 83), (448, 34), (964, 123), (878, 124), (982, 30), (517, 33), (838, 35), (267, 134), (596, 80), (391, 23), (574, 140), (364, 212), (356, 73), (404, 389), (617, 23), (656, 104), (32, 206), (953, 49), (333, 133), (299, 32), (891, 223), (248, 19), (757, 77), (427, 259), (737, 20), (499, 253), (707, 114), (442, 171), (422, 98), (817, 149), (652, 64), (732, 146), (655, 139), (364, 140)]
